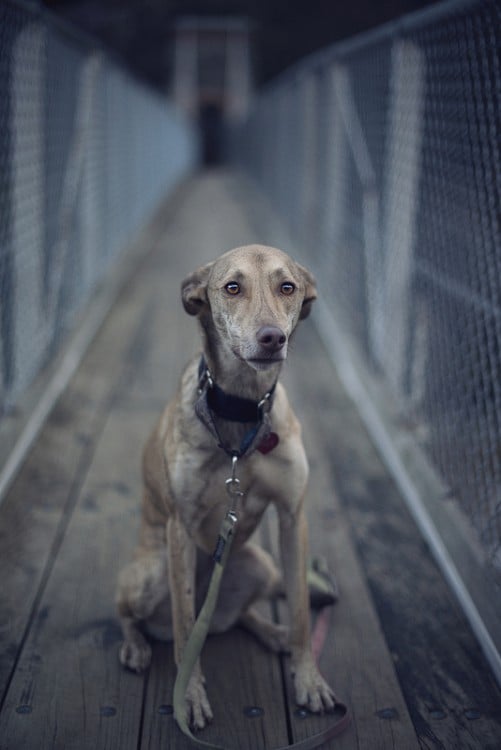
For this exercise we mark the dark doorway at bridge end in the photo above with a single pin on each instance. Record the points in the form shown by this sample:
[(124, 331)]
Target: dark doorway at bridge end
[(212, 79), (211, 133)]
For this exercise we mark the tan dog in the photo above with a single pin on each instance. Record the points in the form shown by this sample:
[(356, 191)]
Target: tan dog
[(248, 302)]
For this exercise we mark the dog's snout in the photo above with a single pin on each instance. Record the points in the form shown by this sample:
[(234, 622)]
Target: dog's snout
[(271, 338)]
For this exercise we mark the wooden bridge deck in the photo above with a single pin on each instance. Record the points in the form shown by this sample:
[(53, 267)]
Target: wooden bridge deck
[(398, 651)]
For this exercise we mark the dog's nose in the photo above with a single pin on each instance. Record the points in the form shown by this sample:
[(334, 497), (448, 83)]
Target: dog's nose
[(271, 338)]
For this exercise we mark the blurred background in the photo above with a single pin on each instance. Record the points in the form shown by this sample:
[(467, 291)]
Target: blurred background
[(210, 56), (142, 32)]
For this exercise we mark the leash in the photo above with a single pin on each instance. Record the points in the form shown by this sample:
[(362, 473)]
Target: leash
[(201, 627), (212, 400)]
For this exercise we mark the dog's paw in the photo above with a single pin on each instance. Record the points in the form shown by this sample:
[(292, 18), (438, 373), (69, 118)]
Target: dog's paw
[(135, 654), (312, 691), (199, 712)]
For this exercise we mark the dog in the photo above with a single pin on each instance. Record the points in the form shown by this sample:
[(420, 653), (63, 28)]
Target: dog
[(229, 410)]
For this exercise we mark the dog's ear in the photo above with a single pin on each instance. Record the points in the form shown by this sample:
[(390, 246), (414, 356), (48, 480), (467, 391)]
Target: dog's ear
[(194, 290), (310, 291)]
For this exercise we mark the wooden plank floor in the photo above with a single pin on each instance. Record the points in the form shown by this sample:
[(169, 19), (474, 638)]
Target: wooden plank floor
[(398, 651)]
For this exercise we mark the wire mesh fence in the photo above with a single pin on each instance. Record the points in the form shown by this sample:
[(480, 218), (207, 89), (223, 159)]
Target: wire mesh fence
[(86, 153), (383, 155)]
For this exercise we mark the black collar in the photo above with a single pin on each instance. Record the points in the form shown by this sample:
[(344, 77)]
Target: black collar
[(213, 401), (230, 407)]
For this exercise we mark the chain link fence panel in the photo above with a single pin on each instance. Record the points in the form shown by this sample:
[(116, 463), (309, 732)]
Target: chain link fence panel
[(383, 155), (86, 154)]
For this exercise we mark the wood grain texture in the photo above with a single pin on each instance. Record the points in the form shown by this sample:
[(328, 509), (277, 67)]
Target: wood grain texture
[(34, 516), (68, 690)]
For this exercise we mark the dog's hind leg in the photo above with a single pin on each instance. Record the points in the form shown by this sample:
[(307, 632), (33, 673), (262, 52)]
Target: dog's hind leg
[(251, 575), (274, 637)]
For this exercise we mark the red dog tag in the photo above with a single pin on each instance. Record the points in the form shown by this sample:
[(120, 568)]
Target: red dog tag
[(268, 443)]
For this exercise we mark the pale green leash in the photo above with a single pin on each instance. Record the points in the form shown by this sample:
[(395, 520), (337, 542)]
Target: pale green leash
[(201, 627)]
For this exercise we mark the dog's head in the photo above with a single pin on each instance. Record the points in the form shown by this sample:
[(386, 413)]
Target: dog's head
[(251, 298)]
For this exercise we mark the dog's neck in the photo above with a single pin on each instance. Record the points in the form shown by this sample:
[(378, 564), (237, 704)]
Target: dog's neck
[(238, 378)]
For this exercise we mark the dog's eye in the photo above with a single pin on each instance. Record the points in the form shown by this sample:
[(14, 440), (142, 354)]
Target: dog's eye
[(287, 288), (232, 288)]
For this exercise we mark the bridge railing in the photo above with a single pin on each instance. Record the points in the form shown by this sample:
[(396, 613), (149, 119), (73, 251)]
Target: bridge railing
[(86, 153), (382, 154)]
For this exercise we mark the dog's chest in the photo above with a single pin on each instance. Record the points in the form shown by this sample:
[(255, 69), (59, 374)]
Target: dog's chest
[(203, 499)]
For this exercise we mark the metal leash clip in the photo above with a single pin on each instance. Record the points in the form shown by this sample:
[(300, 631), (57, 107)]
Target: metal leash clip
[(205, 379), (233, 483)]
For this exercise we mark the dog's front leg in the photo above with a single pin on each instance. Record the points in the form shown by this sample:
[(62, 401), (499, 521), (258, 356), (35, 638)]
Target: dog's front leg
[(182, 567), (311, 688)]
